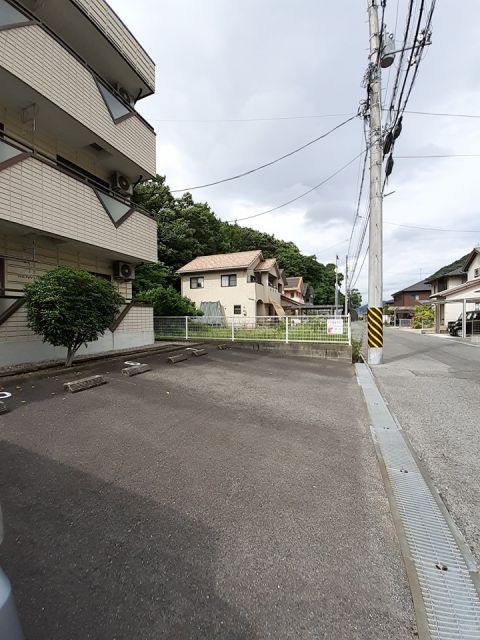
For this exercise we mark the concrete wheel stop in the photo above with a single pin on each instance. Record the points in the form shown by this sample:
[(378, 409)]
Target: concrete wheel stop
[(179, 358), (4, 395), (135, 368), (84, 383)]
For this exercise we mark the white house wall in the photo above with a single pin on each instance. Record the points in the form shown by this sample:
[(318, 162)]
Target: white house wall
[(245, 293)]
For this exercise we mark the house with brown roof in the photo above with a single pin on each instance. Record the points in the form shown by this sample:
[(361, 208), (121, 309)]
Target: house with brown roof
[(405, 300), (243, 284)]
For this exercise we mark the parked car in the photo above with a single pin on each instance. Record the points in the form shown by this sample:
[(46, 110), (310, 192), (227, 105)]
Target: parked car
[(472, 324), (9, 623)]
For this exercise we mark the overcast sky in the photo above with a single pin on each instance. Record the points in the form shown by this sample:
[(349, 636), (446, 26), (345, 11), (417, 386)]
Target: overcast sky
[(224, 59)]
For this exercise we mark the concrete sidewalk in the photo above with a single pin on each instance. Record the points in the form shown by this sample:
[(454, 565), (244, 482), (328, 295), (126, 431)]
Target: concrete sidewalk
[(234, 496)]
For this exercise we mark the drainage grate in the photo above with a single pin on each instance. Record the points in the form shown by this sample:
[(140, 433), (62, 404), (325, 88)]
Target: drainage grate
[(445, 574)]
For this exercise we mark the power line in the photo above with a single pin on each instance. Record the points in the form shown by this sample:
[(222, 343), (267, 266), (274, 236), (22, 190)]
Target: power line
[(361, 268), (411, 226), (266, 119), (267, 164), (451, 115), (444, 155), (302, 195)]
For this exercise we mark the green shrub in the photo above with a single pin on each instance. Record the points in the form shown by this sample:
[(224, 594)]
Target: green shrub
[(70, 307), (168, 302)]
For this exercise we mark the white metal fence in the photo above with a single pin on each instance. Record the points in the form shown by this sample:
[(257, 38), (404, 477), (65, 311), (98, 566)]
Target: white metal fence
[(334, 329)]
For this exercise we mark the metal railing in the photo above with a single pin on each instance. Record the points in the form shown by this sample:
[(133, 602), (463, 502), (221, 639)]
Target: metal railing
[(323, 329)]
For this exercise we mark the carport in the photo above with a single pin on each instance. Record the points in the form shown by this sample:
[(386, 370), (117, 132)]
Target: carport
[(463, 301)]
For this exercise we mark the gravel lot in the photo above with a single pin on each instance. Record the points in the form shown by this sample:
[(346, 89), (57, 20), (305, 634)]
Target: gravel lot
[(233, 496)]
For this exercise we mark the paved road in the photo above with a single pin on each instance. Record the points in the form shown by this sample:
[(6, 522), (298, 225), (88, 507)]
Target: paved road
[(433, 387), (235, 497)]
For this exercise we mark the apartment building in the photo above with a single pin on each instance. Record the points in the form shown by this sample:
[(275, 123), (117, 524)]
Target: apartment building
[(242, 283), (72, 146)]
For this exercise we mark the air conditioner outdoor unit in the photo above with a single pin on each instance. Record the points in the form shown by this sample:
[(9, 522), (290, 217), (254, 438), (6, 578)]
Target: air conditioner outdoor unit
[(124, 271), (123, 93), (121, 183)]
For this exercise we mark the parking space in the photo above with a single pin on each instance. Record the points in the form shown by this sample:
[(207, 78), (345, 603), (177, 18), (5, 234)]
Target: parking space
[(235, 495)]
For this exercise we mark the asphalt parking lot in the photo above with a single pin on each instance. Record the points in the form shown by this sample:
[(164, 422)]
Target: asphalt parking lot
[(233, 496)]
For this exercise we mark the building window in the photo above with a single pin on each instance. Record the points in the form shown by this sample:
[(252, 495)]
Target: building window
[(229, 281), (237, 309), (10, 16), (116, 107), (196, 282), (417, 297), (476, 273)]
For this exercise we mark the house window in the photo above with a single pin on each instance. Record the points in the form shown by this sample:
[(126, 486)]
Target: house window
[(417, 297), (229, 281), (476, 273), (196, 282), (237, 309)]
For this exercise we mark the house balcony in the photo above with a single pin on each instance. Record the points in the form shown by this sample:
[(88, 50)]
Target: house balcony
[(41, 199), (57, 96), (98, 35), (266, 293)]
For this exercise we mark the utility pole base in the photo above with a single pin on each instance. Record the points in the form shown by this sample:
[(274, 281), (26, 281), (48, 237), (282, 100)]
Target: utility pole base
[(375, 355)]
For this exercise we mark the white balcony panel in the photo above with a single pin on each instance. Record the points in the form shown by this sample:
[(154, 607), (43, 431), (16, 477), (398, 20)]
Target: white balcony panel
[(37, 195), (38, 60), (113, 28)]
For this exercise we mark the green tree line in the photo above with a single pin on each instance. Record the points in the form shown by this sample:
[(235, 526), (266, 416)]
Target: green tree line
[(187, 229)]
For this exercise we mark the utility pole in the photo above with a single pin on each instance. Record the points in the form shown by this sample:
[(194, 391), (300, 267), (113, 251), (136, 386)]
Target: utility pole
[(375, 257), (336, 285), (346, 285)]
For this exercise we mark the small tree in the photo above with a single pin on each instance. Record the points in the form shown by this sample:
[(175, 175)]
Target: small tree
[(423, 317), (168, 302), (70, 307)]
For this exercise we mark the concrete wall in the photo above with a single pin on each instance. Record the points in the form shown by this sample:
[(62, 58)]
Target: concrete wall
[(33, 56), (39, 196)]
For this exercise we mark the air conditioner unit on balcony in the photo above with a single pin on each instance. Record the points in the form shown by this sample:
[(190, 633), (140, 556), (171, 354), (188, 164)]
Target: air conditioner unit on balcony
[(124, 271), (126, 97), (121, 183)]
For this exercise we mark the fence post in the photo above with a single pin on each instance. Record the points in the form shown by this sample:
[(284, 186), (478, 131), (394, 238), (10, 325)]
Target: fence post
[(233, 329), (186, 327), (286, 329), (349, 324)]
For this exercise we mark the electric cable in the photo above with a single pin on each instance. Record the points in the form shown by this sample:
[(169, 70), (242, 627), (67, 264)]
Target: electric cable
[(267, 164)]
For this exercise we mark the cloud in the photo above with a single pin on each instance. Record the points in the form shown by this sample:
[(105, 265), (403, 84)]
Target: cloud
[(250, 59)]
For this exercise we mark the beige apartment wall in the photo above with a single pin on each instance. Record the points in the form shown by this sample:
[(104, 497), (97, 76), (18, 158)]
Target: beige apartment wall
[(111, 25), (33, 56), (50, 147), (18, 344), (39, 196), (27, 259)]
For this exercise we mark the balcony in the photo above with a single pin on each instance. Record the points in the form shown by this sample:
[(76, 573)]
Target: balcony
[(62, 99), (36, 196), (98, 35)]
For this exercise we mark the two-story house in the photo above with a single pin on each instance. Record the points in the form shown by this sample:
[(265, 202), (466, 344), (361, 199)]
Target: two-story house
[(405, 300), (450, 287), (243, 284), (72, 146)]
